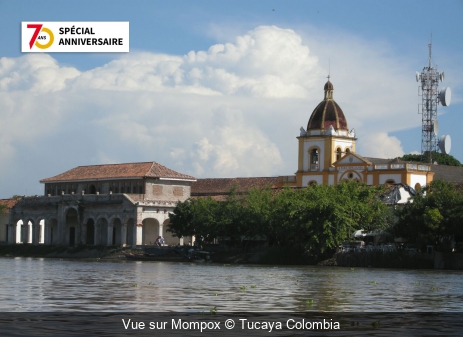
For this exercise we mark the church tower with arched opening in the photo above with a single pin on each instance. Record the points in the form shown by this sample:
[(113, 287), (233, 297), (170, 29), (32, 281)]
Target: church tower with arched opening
[(326, 140), (327, 154)]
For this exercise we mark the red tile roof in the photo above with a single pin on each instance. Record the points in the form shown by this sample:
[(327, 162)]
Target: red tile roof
[(220, 186), (114, 171), (9, 202)]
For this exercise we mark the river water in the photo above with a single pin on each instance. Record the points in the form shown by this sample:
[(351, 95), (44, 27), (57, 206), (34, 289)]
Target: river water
[(45, 285)]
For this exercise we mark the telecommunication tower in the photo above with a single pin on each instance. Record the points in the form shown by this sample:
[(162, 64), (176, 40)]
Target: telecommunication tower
[(431, 96)]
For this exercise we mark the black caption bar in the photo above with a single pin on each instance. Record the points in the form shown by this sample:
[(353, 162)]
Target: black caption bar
[(213, 323)]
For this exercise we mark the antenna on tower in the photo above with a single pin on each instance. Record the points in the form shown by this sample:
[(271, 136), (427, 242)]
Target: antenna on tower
[(430, 52), (431, 97)]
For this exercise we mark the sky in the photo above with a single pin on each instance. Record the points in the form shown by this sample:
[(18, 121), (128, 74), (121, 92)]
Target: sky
[(220, 88)]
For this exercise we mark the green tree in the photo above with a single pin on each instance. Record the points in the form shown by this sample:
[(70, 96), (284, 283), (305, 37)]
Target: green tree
[(316, 218), (195, 217), (440, 158), (257, 213), (433, 216)]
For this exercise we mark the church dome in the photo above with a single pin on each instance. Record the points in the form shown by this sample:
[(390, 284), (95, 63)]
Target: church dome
[(327, 113)]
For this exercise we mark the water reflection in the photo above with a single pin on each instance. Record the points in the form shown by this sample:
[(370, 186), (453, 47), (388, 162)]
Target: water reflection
[(74, 285)]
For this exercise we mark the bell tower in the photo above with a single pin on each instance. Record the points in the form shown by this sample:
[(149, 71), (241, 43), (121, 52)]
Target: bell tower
[(326, 140)]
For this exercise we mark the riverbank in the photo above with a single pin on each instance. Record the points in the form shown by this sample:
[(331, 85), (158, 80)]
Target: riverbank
[(267, 255), (79, 252)]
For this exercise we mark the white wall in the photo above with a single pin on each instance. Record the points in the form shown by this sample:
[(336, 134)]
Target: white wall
[(416, 178), (317, 178), (385, 177)]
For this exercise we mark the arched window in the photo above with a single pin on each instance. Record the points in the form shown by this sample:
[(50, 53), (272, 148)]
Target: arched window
[(418, 187), (140, 189), (92, 189), (338, 154), (347, 150), (134, 189), (312, 183), (314, 157), (117, 189), (122, 189), (390, 182)]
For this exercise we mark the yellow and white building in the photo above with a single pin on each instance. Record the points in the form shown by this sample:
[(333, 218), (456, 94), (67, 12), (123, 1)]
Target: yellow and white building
[(327, 154)]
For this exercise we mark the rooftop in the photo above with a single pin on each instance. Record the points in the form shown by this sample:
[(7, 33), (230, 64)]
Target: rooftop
[(118, 171), (220, 186), (9, 202)]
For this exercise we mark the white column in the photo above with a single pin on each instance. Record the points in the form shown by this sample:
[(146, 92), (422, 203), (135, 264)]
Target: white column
[(42, 232), (160, 230), (19, 230), (137, 235), (29, 232)]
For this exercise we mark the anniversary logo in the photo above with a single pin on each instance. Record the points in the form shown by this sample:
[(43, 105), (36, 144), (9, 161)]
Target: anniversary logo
[(80, 37)]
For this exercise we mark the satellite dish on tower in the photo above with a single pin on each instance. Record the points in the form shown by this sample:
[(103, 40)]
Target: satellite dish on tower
[(442, 76), (435, 127), (445, 144), (418, 76), (445, 96)]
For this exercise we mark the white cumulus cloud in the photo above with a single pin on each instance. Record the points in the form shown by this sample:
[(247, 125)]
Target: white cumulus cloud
[(380, 145), (232, 110)]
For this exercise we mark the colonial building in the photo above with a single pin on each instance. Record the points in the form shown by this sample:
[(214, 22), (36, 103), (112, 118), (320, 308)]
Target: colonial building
[(327, 154), (121, 204)]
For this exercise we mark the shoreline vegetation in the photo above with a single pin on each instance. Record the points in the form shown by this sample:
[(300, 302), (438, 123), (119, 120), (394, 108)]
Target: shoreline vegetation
[(280, 256)]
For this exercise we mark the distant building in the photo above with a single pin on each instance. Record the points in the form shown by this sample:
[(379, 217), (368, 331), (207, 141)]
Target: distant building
[(120, 204)]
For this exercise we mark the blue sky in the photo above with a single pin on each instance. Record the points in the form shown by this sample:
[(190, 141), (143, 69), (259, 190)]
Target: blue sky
[(220, 88)]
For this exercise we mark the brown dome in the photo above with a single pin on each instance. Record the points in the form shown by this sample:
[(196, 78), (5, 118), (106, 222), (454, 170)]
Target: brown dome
[(327, 113)]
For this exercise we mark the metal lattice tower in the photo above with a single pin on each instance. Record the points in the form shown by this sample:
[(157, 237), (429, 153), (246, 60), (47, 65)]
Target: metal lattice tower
[(430, 98)]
